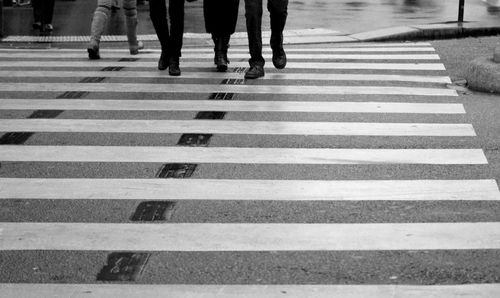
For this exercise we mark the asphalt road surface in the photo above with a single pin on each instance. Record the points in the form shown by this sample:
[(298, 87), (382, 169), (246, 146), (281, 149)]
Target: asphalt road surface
[(357, 171)]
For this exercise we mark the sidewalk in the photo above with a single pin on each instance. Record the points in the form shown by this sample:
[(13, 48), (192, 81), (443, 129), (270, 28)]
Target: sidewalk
[(306, 36)]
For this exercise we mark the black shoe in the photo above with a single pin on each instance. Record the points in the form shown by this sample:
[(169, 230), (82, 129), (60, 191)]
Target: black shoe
[(173, 66), (279, 58), (48, 28), (221, 62), (37, 25), (93, 52), (255, 72), (163, 62), (220, 58)]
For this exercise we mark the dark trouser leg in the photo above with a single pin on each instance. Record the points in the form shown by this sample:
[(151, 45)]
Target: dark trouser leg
[(220, 16), (253, 15), (278, 12), (37, 10), (158, 15), (176, 13), (48, 11)]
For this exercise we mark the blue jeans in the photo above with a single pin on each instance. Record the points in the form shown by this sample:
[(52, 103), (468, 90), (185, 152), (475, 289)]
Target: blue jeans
[(253, 15)]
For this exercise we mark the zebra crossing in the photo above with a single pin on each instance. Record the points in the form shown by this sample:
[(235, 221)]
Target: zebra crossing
[(379, 88)]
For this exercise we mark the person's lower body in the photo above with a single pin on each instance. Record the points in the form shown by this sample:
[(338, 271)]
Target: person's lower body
[(170, 40), (43, 11), (220, 20), (253, 15), (130, 10), (100, 20)]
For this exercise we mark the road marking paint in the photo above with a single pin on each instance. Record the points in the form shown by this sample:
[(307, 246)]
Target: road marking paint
[(240, 189), (232, 56), (240, 155), (237, 127), (230, 75), (232, 106), (290, 65), (206, 88), (338, 49), (34, 290), (248, 237)]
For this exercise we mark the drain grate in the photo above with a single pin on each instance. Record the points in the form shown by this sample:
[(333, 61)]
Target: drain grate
[(123, 266), (176, 170), (154, 211)]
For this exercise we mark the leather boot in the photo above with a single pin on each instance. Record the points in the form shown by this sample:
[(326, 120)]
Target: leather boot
[(220, 49), (173, 66), (279, 56)]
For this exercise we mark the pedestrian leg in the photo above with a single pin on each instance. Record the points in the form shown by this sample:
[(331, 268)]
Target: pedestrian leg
[(99, 21), (47, 14), (130, 10), (278, 13), (158, 15), (253, 15), (176, 13), (37, 13)]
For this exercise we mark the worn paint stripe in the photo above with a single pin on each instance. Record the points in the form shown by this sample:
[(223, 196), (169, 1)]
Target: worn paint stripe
[(237, 127), (232, 56), (240, 155), (205, 88), (231, 75), (290, 65), (249, 291), (248, 237), (236, 189), (233, 106), (398, 47)]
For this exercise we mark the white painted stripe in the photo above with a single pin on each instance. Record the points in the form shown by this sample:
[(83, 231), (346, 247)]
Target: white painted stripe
[(206, 88), (349, 49), (290, 65), (231, 106), (248, 291), (229, 75), (237, 127), (240, 155), (248, 237), (246, 190), (232, 56)]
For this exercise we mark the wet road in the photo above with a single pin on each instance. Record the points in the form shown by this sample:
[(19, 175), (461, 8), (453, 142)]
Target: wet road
[(345, 16)]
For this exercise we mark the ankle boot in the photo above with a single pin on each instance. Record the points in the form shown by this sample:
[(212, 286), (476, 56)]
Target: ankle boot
[(173, 66), (220, 59)]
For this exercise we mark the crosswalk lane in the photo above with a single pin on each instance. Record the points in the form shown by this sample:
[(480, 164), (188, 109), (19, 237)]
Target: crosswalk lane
[(231, 75), (240, 155), (237, 127), (194, 64), (248, 237), (232, 106), (241, 236), (241, 189), (248, 291)]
